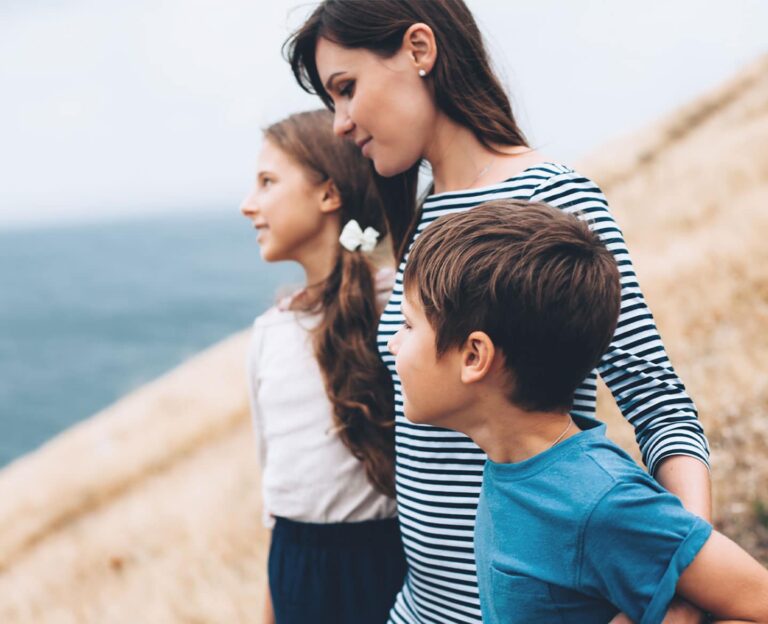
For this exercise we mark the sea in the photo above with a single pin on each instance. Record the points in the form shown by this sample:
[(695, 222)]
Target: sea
[(90, 312)]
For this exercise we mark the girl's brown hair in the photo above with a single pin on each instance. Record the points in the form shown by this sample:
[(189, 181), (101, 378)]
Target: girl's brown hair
[(357, 382), (464, 84)]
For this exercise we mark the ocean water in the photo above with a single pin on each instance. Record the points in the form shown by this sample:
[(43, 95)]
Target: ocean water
[(91, 312)]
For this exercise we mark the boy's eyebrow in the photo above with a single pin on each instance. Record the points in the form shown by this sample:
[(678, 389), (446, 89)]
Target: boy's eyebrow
[(402, 311), (329, 82)]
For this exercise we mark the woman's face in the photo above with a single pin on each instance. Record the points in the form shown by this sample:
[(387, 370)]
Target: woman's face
[(383, 105), (285, 207)]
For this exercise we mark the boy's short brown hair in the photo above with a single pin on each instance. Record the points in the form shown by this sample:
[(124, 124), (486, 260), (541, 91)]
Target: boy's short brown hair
[(537, 280)]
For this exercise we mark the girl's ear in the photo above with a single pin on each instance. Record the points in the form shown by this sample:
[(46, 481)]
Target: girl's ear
[(477, 356), (330, 200), (419, 42)]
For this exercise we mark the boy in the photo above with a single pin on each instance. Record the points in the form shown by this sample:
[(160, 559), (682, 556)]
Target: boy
[(508, 307)]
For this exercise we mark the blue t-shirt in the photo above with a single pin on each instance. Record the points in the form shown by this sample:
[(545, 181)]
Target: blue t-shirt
[(577, 534)]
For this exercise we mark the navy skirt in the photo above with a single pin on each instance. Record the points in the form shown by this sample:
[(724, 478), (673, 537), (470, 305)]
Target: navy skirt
[(348, 573)]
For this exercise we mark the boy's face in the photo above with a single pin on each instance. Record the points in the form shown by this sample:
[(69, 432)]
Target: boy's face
[(432, 389)]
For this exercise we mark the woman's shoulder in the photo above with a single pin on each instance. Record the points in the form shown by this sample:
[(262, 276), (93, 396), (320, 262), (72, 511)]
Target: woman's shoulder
[(549, 173), (565, 187), (527, 182)]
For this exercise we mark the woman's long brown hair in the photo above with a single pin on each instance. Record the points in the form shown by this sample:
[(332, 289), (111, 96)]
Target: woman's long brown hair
[(357, 382), (464, 84)]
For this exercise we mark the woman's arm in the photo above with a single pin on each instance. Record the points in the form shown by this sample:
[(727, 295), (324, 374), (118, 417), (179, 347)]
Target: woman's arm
[(636, 368), (688, 479), (726, 581), (639, 374)]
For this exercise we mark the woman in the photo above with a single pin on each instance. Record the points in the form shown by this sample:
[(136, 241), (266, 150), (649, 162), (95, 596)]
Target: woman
[(411, 81), (321, 398)]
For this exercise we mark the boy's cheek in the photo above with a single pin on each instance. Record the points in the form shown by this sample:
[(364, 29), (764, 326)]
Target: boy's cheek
[(408, 410)]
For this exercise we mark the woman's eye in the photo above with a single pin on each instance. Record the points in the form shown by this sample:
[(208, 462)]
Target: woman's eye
[(266, 182), (347, 88)]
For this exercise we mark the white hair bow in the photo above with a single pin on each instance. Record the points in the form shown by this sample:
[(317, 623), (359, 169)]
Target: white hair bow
[(353, 236)]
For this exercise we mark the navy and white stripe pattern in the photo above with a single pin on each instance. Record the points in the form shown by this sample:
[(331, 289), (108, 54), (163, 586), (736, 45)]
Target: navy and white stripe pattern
[(439, 472)]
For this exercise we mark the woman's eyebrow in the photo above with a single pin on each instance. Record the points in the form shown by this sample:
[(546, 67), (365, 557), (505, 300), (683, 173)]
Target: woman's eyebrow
[(329, 82)]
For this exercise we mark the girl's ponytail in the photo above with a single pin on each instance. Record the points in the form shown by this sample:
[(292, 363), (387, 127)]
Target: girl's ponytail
[(357, 382)]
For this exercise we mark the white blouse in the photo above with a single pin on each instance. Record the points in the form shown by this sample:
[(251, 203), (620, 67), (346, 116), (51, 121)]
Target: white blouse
[(307, 474)]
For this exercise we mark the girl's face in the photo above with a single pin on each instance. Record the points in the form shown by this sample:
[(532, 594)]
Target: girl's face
[(383, 105), (286, 207)]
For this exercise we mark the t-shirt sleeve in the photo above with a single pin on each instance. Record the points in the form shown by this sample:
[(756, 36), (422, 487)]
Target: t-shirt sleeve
[(252, 367), (636, 543)]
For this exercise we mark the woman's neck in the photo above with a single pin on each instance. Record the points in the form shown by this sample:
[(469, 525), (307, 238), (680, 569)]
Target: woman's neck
[(460, 161)]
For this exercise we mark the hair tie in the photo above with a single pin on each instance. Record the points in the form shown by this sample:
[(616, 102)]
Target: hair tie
[(353, 236)]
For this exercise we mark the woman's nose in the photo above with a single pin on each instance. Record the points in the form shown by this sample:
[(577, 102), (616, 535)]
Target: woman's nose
[(342, 123)]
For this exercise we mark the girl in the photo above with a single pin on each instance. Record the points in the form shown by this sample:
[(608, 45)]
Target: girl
[(321, 398), (411, 81)]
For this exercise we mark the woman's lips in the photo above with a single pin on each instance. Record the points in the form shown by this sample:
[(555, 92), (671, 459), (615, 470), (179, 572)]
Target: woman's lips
[(365, 146)]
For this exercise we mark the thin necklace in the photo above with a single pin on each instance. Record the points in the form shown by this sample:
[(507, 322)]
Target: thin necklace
[(562, 435), (484, 170)]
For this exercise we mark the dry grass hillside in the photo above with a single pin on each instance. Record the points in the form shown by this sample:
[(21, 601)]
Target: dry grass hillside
[(149, 512), (691, 194)]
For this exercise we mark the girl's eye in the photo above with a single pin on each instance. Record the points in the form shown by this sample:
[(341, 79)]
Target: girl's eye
[(406, 325)]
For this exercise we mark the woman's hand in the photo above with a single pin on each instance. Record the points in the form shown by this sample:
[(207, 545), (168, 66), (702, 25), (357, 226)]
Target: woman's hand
[(683, 612)]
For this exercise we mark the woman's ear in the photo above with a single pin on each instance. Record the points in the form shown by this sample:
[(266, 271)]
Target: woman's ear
[(330, 200), (477, 356), (419, 43)]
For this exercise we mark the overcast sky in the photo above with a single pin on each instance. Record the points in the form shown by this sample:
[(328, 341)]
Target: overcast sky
[(111, 107)]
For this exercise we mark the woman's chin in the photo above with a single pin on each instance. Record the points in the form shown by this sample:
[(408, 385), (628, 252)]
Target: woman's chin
[(389, 169)]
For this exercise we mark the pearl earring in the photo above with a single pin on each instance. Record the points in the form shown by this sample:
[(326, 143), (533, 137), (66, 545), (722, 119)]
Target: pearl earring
[(422, 72)]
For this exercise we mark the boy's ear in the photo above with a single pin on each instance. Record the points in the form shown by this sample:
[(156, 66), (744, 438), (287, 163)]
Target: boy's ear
[(330, 200), (477, 357)]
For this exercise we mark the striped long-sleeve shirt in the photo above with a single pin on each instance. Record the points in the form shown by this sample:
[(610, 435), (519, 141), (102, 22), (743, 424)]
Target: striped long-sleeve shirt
[(439, 471)]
